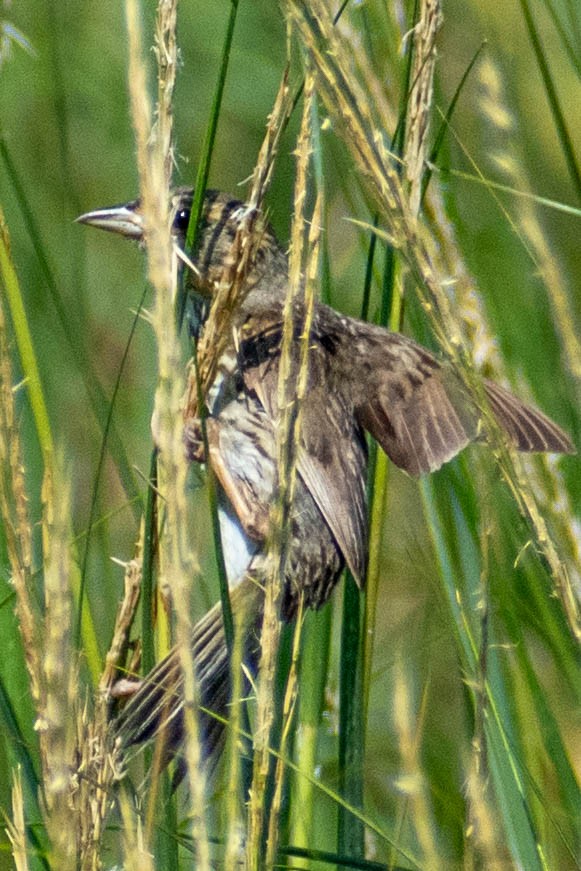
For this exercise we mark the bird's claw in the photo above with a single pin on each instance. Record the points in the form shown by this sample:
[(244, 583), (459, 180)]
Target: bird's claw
[(194, 440)]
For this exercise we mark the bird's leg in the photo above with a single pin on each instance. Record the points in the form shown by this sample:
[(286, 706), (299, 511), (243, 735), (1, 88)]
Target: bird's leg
[(194, 440)]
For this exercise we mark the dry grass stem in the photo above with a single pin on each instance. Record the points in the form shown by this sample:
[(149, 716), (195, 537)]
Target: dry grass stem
[(177, 564), (15, 827), (287, 440), (96, 776), (419, 104), (383, 89), (288, 711), (166, 52), (232, 284), (117, 652), (136, 856), (56, 724), (483, 826)]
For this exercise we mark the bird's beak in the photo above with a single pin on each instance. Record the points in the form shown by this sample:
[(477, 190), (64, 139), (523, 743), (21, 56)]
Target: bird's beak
[(125, 220)]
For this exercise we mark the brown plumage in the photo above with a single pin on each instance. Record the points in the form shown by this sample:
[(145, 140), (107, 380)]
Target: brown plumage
[(360, 378)]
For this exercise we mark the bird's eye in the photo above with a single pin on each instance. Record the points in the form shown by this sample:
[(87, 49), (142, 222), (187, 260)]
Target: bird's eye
[(180, 222)]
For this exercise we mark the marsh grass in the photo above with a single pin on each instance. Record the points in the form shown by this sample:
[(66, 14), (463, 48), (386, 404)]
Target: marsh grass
[(458, 737)]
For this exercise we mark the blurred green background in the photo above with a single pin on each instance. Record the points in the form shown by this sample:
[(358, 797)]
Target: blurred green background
[(66, 133)]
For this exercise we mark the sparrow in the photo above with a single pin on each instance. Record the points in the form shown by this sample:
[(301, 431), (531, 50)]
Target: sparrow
[(362, 378)]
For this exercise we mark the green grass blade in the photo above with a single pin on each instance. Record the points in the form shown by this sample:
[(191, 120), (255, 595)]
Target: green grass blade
[(337, 859), (18, 746), (101, 463), (350, 832), (316, 639), (147, 581), (446, 120), (565, 138), (566, 40), (450, 529), (24, 343), (73, 333)]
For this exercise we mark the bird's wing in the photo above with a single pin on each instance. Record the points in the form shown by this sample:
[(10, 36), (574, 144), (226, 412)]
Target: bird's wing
[(418, 409), (332, 462), (332, 454), (412, 405)]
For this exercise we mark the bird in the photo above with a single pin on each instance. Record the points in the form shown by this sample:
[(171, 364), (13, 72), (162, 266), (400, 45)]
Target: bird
[(362, 378)]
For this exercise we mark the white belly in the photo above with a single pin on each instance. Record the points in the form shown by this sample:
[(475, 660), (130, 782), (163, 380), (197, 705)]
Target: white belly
[(237, 548)]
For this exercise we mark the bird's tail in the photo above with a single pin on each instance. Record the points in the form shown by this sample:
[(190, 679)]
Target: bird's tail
[(155, 711)]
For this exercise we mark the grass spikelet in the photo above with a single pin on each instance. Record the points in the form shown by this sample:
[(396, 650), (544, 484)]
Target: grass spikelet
[(177, 565), (229, 292), (482, 830), (419, 102), (57, 714), (136, 856), (358, 118), (15, 826), (412, 781)]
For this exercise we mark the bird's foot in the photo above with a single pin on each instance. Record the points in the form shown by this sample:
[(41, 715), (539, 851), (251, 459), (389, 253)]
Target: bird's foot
[(125, 688), (194, 440)]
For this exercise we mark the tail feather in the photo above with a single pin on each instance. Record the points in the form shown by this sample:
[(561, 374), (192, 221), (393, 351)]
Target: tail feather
[(155, 711), (528, 428)]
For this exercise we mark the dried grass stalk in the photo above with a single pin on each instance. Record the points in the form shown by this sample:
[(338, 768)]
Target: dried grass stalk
[(291, 391), (96, 776), (288, 711), (98, 769), (117, 652), (59, 706), (136, 856), (419, 104), (232, 285), (15, 827), (177, 564)]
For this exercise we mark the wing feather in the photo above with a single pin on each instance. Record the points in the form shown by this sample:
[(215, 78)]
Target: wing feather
[(417, 407), (332, 458), (527, 427)]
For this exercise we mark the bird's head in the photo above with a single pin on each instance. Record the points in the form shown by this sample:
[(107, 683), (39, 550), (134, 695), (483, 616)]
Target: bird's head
[(220, 219)]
